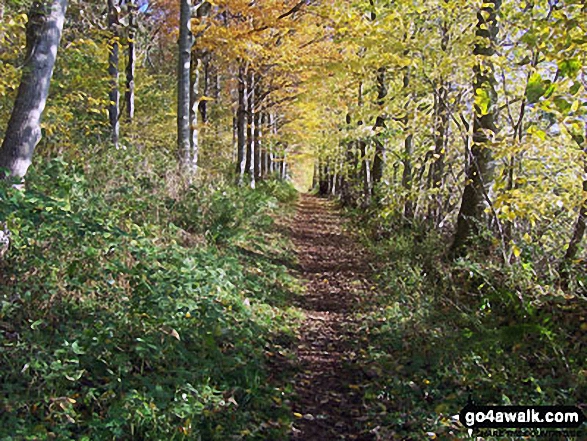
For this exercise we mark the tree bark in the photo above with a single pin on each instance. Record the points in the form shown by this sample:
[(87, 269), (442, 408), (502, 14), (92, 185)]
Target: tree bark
[(441, 120), (283, 168), (436, 172), (262, 124), (479, 171), (250, 163), (43, 35), (580, 225), (579, 229), (203, 104), (258, 146), (407, 176), (186, 41), (113, 72), (1, 19), (322, 178), (379, 159), (407, 158), (241, 122), (365, 174), (129, 97), (196, 65)]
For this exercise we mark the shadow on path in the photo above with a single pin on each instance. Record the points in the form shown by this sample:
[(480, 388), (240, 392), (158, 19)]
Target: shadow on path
[(329, 403)]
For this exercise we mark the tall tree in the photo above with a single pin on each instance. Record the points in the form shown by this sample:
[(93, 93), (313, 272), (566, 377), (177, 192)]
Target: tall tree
[(203, 103), (241, 123), (131, 60), (113, 72), (43, 35), (440, 128), (407, 153), (186, 41), (581, 222), (479, 171), (379, 159), (251, 144)]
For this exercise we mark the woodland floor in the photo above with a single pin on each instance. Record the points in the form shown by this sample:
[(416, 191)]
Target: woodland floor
[(329, 404)]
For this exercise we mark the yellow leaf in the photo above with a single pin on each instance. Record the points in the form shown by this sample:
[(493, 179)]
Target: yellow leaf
[(516, 251), (298, 415)]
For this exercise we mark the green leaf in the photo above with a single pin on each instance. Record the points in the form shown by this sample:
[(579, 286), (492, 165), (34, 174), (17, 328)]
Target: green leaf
[(77, 349), (530, 38), (535, 89), (540, 134), (482, 101), (575, 88), (550, 90), (569, 68), (562, 105)]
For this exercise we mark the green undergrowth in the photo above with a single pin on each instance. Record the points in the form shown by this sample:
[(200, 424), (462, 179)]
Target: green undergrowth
[(133, 307), (439, 332)]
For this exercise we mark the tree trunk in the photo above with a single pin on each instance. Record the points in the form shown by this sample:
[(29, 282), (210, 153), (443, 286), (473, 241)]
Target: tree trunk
[(316, 176), (437, 167), (23, 133), (322, 178), (196, 65), (283, 169), (407, 155), (441, 117), (1, 20), (257, 143), (250, 163), (131, 61), (379, 159), (365, 174), (479, 171), (580, 225), (407, 176), (241, 122), (264, 155), (113, 72), (186, 41), (203, 104)]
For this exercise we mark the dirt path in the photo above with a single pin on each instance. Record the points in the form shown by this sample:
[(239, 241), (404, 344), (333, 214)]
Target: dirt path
[(329, 404)]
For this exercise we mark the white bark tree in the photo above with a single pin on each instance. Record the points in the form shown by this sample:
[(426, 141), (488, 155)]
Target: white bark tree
[(43, 35)]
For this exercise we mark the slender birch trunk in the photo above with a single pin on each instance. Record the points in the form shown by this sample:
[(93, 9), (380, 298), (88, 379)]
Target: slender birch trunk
[(113, 71), (131, 61), (241, 122), (186, 41), (250, 162)]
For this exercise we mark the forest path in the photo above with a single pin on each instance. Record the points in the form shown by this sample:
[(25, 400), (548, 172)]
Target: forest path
[(335, 270)]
